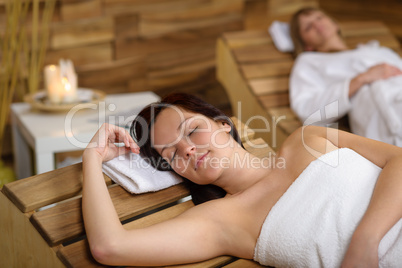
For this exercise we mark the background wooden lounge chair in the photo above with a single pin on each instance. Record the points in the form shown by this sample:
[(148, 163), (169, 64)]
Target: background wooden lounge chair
[(55, 237), (255, 74)]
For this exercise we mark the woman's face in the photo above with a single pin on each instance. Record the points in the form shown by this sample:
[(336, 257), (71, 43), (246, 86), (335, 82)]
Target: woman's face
[(195, 146), (316, 29)]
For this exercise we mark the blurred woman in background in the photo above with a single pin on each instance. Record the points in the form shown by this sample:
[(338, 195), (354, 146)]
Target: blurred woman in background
[(330, 80)]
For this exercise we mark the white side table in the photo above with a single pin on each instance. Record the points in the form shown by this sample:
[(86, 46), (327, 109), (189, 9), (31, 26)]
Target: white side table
[(50, 133)]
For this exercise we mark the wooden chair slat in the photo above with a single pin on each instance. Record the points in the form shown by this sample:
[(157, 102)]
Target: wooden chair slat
[(271, 85), (242, 263), (128, 205), (274, 100), (46, 188), (64, 222), (159, 216), (78, 255), (282, 111), (260, 53), (246, 38), (215, 262), (266, 69), (245, 35)]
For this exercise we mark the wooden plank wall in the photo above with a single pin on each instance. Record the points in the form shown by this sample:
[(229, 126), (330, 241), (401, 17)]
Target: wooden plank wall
[(259, 14), (387, 11), (136, 45)]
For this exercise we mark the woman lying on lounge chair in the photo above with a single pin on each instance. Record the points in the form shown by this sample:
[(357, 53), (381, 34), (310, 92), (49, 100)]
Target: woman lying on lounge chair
[(331, 78), (337, 200)]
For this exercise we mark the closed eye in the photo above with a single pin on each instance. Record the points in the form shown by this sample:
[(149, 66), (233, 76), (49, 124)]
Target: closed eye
[(189, 134), (174, 154), (192, 131)]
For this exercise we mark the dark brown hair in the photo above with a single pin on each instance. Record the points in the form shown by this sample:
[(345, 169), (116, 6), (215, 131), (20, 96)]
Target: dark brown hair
[(140, 131)]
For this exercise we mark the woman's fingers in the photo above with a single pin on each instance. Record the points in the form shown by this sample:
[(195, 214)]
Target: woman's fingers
[(105, 139), (122, 135), (381, 71), (388, 70)]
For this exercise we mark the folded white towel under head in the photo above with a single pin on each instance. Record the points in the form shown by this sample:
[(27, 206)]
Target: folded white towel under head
[(137, 175), (280, 34)]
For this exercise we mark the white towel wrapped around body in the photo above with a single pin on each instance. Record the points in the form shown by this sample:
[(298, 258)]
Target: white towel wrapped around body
[(137, 175), (312, 223)]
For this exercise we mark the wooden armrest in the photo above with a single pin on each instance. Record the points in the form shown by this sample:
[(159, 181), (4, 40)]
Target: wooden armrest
[(47, 188)]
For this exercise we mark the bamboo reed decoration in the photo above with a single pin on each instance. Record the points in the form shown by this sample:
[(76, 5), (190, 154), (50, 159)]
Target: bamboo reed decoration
[(22, 61)]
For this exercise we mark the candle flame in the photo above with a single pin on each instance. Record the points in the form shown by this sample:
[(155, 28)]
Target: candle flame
[(66, 84)]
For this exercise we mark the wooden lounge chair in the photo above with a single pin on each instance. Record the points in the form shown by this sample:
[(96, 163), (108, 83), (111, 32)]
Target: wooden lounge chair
[(255, 74), (55, 237)]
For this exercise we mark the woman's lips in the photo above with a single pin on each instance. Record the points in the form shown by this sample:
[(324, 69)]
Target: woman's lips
[(200, 160)]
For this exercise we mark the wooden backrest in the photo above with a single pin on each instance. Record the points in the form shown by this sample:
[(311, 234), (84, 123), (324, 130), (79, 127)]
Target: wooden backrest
[(254, 72), (61, 224)]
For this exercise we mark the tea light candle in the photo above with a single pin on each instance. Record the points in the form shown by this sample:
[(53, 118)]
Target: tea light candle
[(54, 88)]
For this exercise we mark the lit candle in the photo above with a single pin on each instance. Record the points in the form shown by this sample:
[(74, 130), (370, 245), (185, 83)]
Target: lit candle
[(53, 84), (69, 81), (69, 93)]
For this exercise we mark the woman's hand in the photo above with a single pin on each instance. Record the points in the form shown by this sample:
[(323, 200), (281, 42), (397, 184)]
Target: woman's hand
[(381, 71), (361, 253), (377, 72), (103, 143)]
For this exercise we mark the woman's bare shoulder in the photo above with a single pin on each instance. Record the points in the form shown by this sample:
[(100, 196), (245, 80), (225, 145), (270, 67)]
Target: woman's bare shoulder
[(304, 146)]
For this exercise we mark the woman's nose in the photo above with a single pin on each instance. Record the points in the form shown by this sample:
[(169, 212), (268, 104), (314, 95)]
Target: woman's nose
[(317, 24), (187, 148)]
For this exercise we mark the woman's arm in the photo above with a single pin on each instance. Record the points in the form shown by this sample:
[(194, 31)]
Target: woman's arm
[(385, 208), (100, 218), (189, 237)]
